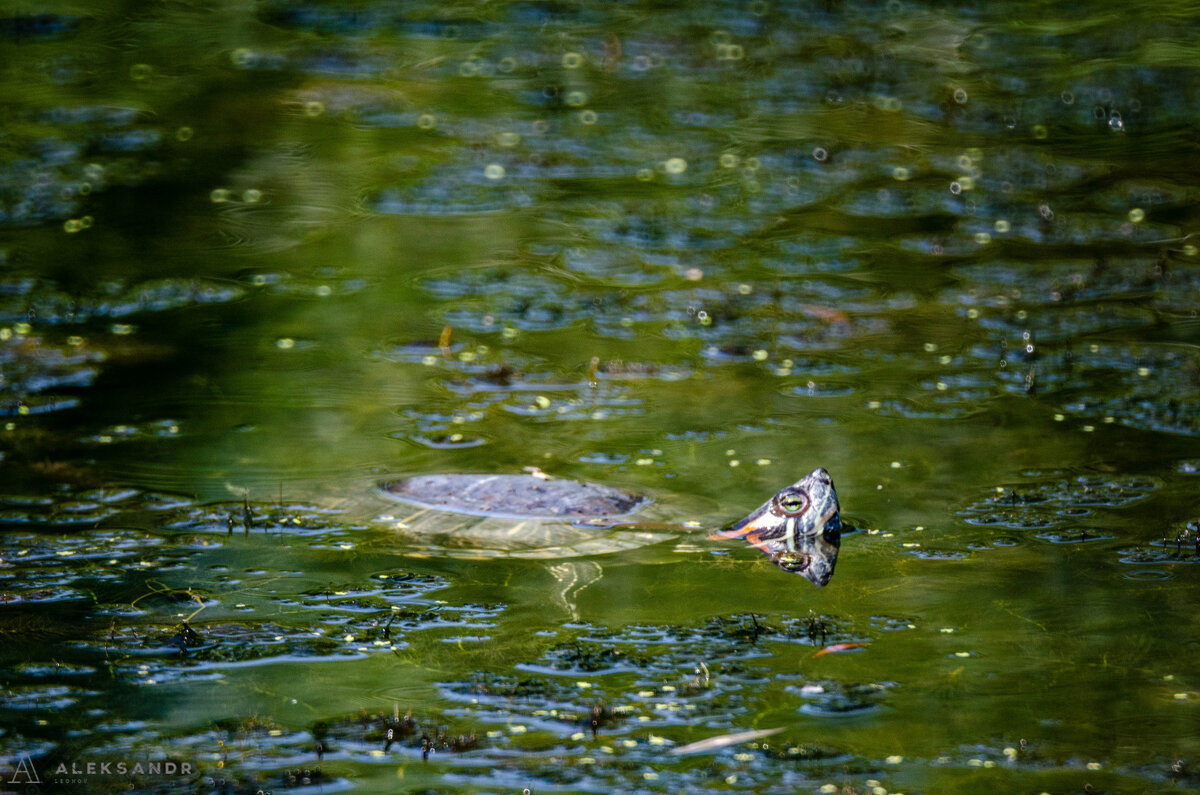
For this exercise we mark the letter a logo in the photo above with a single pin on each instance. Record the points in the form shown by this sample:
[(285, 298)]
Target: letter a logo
[(24, 772)]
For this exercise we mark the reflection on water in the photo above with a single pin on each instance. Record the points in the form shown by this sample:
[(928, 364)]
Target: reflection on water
[(257, 260)]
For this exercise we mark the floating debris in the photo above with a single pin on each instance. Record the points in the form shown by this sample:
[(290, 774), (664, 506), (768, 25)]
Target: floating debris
[(838, 648), (723, 741)]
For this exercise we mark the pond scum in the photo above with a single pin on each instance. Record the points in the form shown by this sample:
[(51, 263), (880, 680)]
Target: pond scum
[(257, 260)]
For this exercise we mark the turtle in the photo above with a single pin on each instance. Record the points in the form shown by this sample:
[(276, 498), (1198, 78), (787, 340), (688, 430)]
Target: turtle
[(537, 516)]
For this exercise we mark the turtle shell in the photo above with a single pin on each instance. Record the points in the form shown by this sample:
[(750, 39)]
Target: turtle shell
[(516, 496), (521, 516)]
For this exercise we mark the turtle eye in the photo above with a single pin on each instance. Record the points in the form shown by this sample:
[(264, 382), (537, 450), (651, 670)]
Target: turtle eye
[(791, 561), (793, 504)]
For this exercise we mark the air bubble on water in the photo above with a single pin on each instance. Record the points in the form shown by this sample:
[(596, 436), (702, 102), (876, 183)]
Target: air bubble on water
[(820, 154), (1067, 98), (730, 52), (960, 96), (889, 104)]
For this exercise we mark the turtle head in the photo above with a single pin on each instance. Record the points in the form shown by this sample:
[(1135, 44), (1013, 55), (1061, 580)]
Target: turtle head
[(799, 528)]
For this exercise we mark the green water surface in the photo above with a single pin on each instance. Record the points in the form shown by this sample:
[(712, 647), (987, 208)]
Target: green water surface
[(257, 258)]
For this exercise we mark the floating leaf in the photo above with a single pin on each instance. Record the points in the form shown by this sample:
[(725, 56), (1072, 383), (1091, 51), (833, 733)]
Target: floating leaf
[(841, 647)]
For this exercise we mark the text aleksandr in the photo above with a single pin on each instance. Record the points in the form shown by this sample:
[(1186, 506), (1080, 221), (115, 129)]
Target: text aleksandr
[(125, 768)]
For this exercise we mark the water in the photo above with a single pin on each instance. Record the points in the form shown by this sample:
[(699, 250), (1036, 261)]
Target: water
[(257, 259)]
